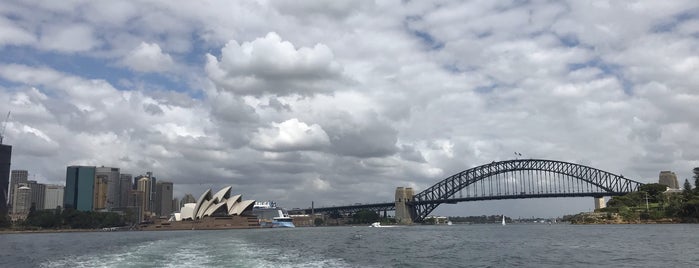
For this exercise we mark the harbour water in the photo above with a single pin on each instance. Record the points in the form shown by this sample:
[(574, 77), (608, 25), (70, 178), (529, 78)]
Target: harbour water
[(526, 245)]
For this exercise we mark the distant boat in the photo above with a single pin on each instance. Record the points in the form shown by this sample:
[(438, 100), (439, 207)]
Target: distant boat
[(449, 223), (378, 225), (503, 220), (269, 215)]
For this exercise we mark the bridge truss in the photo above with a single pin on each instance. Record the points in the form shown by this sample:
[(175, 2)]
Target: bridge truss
[(520, 178), (510, 179)]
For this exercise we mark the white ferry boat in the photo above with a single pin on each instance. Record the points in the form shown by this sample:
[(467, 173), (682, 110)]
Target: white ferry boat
[(270, 215)]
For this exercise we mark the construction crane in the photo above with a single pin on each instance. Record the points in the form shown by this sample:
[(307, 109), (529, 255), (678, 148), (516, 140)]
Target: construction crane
[(4, 125)]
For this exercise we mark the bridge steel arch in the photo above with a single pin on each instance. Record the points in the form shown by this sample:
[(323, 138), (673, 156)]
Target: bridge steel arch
[(598, 183)]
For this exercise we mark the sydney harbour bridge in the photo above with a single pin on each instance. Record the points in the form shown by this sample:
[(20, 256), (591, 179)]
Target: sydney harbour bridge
[(510, 179)]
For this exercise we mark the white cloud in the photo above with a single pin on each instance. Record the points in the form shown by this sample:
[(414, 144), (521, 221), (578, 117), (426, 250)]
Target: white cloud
[(271, 66), (148, 58), (11, 34), (68, 38), (291, 135)]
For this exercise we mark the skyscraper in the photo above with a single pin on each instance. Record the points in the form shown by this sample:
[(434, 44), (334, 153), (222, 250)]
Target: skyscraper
[(125, 186), (5, 156), (21, 201), (110, 176), (38, 191), (53, 197), (188, 198), (135, 204), (99, 195), (17, 177), (79, 190), (164, 198), (175, 205), (144, 186)]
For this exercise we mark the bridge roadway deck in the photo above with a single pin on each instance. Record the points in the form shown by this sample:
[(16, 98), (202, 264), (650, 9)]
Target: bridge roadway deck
[(391, 206), (348, 208)]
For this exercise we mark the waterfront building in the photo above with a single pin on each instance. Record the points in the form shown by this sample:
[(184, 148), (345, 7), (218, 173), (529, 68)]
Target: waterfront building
[(149, 191), (669, 179), (144, 186), (188, 198), (125, 186), (153, 204), (79, 190), (17, 177), (106, 188), (21, 201), (222, 203), (5, 156), (175, 205), (38, 191), (164, 198), (135, 205), (53, 196)]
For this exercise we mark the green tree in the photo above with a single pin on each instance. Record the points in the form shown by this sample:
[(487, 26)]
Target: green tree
[(674, 205), (335, 215), (365, 216), (687, 192), (4, 219), (654, 191)]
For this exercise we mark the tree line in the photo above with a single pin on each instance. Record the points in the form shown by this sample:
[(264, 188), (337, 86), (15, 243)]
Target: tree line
[(70, 219), (653, 202)]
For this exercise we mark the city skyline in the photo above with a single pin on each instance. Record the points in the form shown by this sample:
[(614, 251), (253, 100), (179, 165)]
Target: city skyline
[(342, 102)]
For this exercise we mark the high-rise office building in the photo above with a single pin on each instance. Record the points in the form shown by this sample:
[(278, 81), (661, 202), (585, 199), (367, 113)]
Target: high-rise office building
[(99, 195), (188, 198), (175, 205), (153, 203), (164, 198), (125, 186), (149, 191), (135, 204), (5, 156), (79, 190), (109, 199), (144, 187), (17, 177), (21, 200), (53, 197), (38, 191)]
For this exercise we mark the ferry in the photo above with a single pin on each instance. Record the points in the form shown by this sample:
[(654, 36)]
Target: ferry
[(270, 215)]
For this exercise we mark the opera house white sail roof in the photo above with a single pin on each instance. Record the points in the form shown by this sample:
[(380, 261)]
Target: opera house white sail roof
[(221, 203)]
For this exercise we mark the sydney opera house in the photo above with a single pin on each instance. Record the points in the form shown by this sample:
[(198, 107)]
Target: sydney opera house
[(217, 211)]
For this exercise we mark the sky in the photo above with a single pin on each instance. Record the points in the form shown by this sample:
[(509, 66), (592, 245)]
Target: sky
[(340, 102)]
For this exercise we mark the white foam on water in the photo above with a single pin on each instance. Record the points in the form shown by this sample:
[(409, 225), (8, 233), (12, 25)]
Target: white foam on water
[(207, 252)]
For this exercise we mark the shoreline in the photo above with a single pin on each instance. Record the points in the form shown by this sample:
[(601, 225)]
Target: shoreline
[(41, 231)]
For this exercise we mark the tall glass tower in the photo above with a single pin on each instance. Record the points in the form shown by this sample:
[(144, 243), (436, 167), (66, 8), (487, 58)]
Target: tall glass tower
[(5, 155), (79, 191)]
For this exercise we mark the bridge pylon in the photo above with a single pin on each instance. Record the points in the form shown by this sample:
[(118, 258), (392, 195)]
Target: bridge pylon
[(599, 202), (404, 211)]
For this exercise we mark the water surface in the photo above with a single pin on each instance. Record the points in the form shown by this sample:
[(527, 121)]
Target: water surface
[(413, 246)]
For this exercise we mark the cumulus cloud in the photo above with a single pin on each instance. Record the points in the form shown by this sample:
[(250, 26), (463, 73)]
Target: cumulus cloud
[(331, 9), (269, 65), (68, 38), (11, 34), (148, 58), (291, 135)]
